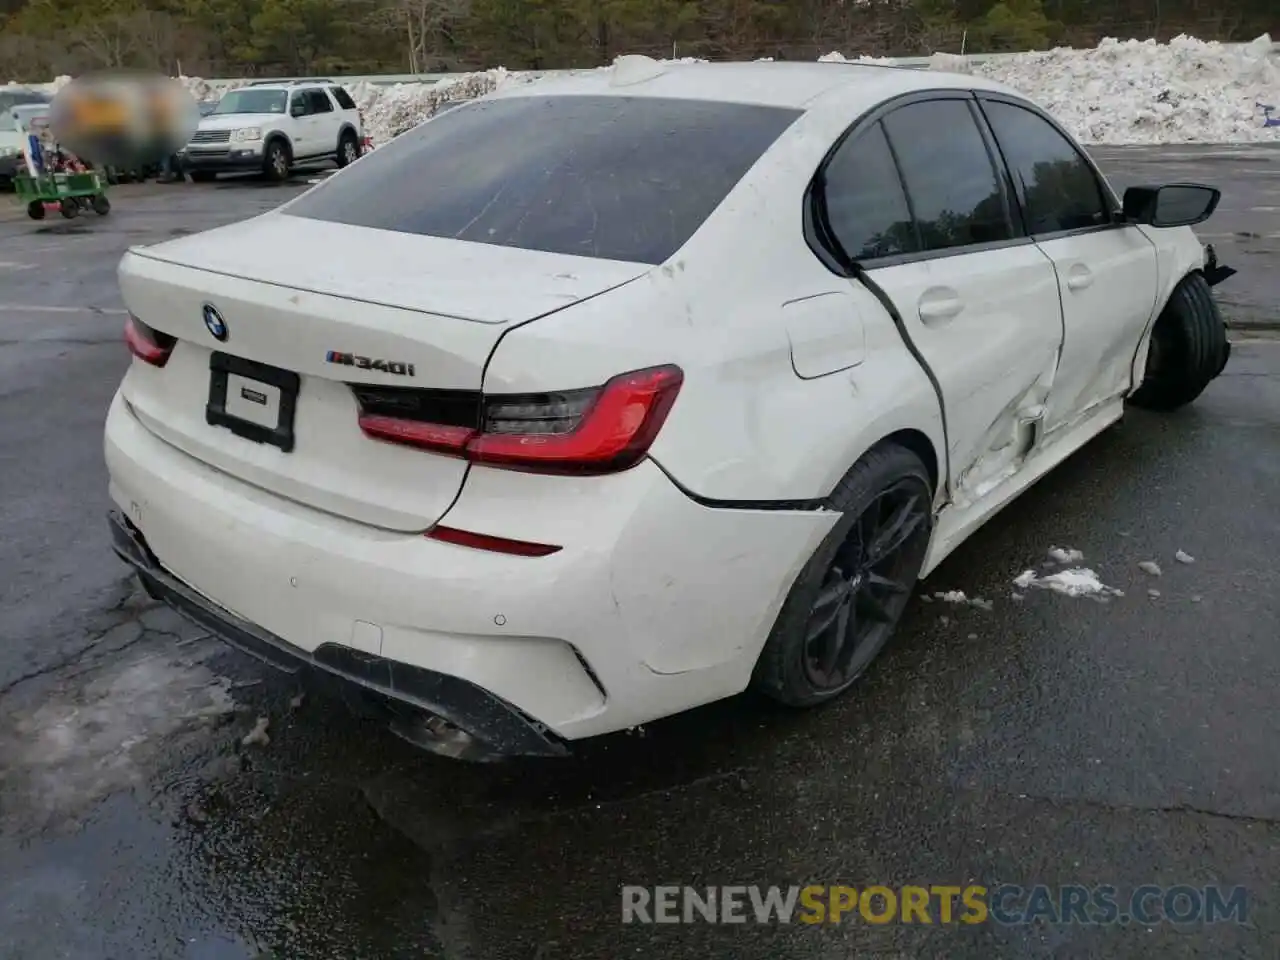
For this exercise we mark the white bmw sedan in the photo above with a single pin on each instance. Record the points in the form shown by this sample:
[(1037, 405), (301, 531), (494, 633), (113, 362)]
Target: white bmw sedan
[(608, 396)]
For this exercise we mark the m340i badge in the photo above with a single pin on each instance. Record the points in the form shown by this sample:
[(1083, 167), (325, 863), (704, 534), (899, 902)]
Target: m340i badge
[(368, 363)]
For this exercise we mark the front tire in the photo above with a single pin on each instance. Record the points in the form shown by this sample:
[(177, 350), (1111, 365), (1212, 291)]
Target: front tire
[(275, 164), (1188, 348), (849, 597)]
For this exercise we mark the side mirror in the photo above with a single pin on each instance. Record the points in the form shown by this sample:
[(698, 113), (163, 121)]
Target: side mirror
[(297, 109), (1172, 205)]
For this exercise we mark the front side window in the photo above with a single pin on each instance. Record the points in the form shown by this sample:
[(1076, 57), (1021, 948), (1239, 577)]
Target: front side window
[(612, 177), (866, 208), (1059, 187), (955, 192)]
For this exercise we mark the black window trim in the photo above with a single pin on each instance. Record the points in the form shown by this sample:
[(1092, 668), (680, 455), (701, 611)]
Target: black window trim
[(1117, 221), (816, 234), (333, 95)]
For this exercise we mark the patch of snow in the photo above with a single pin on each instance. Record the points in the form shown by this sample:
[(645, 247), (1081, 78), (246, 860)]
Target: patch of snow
[(1149, 566), (1065, 555), (1153, 593), (258, 735), (952, 596), (1196, 598), (1183, 557), (1076, 582)]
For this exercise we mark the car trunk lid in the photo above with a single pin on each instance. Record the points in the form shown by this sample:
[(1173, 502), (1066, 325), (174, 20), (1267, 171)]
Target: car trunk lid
[(311, 309)]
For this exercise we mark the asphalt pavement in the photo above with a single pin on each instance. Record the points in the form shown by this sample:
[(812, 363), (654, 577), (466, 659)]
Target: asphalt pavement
[(1045, 740)]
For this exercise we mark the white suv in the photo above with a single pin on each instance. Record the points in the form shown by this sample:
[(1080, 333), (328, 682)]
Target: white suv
[(274, 126)]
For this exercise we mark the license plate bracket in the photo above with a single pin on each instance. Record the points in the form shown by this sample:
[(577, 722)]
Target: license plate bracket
[(222, 367)]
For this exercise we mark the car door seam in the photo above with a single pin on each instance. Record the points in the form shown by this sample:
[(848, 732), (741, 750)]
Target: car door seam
[(861, 275)]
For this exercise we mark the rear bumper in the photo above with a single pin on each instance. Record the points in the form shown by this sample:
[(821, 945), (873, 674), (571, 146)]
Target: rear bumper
[(654, 604), (482, 715)]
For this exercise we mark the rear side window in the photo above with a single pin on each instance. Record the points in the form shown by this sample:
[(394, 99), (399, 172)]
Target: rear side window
[(616, 178), (318, 102), (866, 208), (343, 98), (1059, 187), (955, 193)]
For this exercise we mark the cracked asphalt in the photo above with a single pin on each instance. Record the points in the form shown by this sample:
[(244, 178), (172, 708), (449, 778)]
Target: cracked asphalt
[(1047, 740)]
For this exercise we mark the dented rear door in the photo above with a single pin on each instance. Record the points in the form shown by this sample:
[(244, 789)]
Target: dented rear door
[(989, 326)]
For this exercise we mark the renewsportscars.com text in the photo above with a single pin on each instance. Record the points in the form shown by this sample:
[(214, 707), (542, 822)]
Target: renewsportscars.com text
[(1007, 904)]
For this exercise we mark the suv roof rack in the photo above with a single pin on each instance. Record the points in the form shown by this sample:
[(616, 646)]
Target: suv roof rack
[(289, 83)]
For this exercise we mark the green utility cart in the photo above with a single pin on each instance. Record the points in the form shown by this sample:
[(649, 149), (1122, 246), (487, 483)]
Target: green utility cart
[(71, 192)]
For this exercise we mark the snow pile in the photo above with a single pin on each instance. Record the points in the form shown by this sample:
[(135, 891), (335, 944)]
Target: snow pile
[(1122, 91), (1131, 91), (390, 111)]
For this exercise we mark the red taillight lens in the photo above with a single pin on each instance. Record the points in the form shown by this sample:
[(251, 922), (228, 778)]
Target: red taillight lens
[(482, 541), (148, 345), (594, 431), (588, 431), (413, 433)]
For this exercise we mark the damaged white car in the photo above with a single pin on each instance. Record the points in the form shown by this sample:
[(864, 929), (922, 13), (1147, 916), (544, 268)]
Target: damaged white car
[(607, 396)]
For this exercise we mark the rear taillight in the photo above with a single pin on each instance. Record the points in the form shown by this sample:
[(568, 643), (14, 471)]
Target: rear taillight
[(593, 431), (148, 345)]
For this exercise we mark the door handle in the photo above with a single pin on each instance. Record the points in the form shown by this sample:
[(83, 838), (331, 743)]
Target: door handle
[(1079, 277), (939, 304)]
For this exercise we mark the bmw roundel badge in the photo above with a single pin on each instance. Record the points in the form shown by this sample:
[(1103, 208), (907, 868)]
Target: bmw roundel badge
[(217, 326)]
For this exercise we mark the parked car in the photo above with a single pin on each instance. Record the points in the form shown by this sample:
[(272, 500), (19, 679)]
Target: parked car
[(272, 127), (598, 399), (12, 139)]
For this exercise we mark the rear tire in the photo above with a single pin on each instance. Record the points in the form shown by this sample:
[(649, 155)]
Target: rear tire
[(857, 583), (1188, 348), (348, 149), (69, 209), (101, 205)]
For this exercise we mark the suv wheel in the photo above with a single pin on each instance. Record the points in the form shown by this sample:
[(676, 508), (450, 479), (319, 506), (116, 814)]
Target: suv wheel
[(276, 162), (348, 149)]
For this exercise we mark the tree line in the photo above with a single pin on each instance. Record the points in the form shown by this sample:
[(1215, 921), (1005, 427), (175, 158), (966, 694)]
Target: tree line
[(233, 38)]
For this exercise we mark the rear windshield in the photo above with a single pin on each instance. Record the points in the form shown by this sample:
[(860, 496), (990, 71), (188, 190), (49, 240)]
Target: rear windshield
[(618, 178)]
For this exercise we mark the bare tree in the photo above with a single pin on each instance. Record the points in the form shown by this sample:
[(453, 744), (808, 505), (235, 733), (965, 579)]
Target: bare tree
[(424, 24)]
